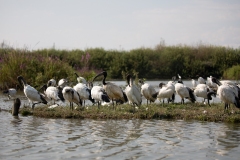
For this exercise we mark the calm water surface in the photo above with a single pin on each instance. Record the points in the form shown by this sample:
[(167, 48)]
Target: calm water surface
[(40, 138)]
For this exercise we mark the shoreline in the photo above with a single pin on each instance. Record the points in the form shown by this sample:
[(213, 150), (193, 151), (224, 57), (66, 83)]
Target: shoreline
[(188, 111)]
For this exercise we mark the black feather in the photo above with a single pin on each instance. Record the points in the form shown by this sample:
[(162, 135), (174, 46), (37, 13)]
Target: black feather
[(5, 92), (237, 102), (173, 97), (60, 95), (105, 98), (209, 95), (43, 99), (125, 97), (90, 97), (192, 97), (155, 95)]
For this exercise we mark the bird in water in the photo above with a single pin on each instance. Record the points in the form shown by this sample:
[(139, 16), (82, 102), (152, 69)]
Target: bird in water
[(16, 107)]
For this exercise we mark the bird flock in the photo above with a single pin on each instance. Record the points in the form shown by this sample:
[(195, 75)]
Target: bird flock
[(109, 93)]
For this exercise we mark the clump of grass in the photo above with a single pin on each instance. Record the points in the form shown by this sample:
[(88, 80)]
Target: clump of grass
[(26, 112), (189, 111)]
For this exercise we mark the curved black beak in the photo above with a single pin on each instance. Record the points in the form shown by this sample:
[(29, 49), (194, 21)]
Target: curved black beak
[(104, 73)]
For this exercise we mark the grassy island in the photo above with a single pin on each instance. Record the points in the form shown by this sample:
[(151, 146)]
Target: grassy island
[(188, 111)]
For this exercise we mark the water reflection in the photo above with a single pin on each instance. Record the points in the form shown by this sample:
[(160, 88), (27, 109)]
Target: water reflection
[(39, 138)]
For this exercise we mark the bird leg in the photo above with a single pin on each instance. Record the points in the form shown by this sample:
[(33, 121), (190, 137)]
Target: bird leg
[(182, 101), (98, 104), (113, 103), (208, 102), (33, 105)]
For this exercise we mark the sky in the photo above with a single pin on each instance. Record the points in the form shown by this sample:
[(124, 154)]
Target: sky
[(118, 24)]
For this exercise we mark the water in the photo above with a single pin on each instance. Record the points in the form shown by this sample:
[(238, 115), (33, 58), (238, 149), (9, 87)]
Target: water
[(39, 138)]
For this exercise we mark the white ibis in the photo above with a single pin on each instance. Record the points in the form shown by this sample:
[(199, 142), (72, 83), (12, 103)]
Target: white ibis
[(114, 92), (99, 95), (133, 92), (53, 93), (194, 83), (166, 91), (201, 80), (62, 82), (148, 91), (80, 79), (84, 92), (184, 92), (72, 96), (229, 94), (51, 82), (31, 93), (203, 90), (11, 92)]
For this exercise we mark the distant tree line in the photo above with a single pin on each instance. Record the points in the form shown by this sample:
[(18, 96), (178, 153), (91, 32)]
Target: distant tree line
[(161, 62)]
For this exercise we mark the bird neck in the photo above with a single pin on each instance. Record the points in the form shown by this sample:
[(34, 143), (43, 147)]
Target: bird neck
[(22, 81), (103, 81)]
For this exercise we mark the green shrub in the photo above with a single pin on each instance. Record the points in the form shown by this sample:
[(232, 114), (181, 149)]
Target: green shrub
[(232, 73)]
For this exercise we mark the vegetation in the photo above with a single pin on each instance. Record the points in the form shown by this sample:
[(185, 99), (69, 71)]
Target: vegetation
[(162, 62), (189, 111), (232, 72)]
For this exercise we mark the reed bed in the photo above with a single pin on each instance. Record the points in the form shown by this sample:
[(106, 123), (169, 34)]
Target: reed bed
[(189, 111)]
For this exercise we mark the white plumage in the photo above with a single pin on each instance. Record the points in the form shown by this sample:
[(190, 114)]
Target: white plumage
[(211, 84), (84, 92), (52, 82), (148, 91), (229, 94), (81, 79), (203, 91), (99, 95), (113, 91), (11, 92), (194, 83), (72, 96), (201, 80), (53, 93), (184, 92), (133, 92), (228, 82), (62, 83), (166, 91), (31, 93)]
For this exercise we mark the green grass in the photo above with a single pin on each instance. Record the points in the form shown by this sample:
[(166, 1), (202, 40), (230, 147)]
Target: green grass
[(189, 111)]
